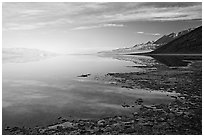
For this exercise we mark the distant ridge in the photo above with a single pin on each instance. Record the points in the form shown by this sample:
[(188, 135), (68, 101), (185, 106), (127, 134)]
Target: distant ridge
[(167, 38), (189, 43), (150, 45)]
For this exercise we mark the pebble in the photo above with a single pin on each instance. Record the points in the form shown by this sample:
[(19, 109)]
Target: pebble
[(63, 125), (101, 122)]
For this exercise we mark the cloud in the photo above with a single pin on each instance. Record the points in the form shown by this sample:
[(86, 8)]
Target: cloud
[(89, 13), (140, 32), (156, 34), (98, 26), (153, 34), (32, 12), (13, 26), (37, 25)]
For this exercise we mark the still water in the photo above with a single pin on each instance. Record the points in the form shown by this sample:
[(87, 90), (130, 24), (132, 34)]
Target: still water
[(38, 92)]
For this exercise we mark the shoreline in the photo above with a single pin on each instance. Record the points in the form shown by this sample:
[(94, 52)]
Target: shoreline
[(164, 54), (182, 116)]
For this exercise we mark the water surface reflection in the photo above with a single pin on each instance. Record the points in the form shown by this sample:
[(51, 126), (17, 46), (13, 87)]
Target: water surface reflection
[(36, 93)]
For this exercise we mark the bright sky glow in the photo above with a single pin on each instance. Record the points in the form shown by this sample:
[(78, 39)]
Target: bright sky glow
[(90, 27)]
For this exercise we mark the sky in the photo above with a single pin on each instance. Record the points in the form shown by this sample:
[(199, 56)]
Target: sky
[(68, 27)]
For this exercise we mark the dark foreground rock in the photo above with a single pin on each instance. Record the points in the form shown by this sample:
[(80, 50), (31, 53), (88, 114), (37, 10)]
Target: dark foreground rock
[(84, 75)]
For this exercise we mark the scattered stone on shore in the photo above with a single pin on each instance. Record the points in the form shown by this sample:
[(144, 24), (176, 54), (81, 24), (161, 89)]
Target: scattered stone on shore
[(84, 75), (139, 101), (125, 105), (63, 125), (182, 116)]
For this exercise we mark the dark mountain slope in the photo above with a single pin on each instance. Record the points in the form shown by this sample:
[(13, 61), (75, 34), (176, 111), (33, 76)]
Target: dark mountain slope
[(167, 38), (190, 43)]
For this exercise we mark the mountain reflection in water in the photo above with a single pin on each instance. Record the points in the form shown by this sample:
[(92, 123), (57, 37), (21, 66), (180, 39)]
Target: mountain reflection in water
[(176, 61), (152, 60)]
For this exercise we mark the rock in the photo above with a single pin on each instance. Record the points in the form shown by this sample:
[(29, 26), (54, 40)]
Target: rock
[(135, 114), (128, 124), (129, 130), (117, 126), (182, 98), (107, 129), (113, 82), (74, 133), (59, 117), (148, 107), (63, 119), (63, 125), (175, 97), (139, 101), (118, 117), (42, 131), (84, 75), (7, 128), (171, 115), (161, 119), (148, 124), (136, 120), (125, 105), (14, 129), (81, 123), (101, 122)]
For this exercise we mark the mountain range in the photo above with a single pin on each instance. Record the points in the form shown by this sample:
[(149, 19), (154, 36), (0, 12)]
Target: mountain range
[(192, 35), (189, 43), (167, 38)]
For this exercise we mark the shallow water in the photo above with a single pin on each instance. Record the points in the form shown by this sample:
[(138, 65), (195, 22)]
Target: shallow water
[(38, 92)]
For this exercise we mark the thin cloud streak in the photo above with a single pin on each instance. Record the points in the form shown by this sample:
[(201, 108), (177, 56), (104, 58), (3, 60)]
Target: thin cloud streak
[(140, 32), (98, 26), (31, 26), (43, 14), (153, 34)]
